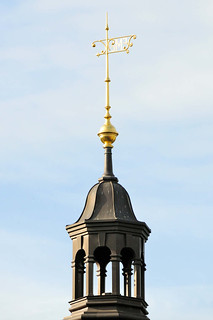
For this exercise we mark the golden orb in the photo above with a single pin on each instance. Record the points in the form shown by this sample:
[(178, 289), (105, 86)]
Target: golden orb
[(107, 134)]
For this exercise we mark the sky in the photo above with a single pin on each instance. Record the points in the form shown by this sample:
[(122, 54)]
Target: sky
[(52, 102)]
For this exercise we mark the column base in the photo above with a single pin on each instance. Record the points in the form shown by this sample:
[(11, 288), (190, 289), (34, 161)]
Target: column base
[(108, 307)]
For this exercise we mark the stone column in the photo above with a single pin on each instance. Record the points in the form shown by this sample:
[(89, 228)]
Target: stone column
[(137, 278), (101, 274), (127, 273), (79, 284), (89, 261), (73, 280), (125, 281), (115, 259)]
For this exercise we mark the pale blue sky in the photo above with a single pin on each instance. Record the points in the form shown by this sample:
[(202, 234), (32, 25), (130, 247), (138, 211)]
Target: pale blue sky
[(52, 105)]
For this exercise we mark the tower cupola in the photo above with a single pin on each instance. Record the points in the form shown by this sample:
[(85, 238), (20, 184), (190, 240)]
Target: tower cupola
[(107, 237)]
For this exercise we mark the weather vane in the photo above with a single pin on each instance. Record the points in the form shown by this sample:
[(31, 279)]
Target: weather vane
[(108, 133)]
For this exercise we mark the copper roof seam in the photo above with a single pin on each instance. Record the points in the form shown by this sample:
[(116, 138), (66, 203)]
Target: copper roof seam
[(113, 198)]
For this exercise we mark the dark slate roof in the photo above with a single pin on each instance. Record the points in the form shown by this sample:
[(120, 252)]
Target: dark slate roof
[(107, 200)]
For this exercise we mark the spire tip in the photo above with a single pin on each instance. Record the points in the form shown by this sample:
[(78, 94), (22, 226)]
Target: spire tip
[(107, 26)]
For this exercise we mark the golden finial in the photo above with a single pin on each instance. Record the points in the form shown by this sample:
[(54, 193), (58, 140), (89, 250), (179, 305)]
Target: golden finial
[(107, 132)]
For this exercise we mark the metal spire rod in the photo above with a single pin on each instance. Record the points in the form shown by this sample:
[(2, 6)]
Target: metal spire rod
[(107, 80), (108, 133)]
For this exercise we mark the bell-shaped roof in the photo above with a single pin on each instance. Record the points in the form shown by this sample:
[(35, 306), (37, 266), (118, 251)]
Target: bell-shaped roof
[(107, 200)]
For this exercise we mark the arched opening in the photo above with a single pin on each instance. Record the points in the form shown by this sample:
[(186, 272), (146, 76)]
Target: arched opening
[(102, 258), (79, 273), (95, 279), (108, 287), (127, 256), (121, 279)]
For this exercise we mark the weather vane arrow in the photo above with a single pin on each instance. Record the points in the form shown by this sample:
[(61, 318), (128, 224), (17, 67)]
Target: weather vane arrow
[(108, 133)]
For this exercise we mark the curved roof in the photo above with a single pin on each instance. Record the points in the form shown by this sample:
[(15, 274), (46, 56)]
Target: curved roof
[(107, 200)]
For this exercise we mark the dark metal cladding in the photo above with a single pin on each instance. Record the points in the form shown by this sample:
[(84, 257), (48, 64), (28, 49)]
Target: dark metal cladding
[(108, 174), (107, 200)]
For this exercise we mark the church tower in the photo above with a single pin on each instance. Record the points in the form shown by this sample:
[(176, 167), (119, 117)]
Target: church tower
[(108, 234)]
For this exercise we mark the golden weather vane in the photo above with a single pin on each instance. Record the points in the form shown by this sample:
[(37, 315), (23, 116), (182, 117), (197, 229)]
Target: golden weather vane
[(108, 133)]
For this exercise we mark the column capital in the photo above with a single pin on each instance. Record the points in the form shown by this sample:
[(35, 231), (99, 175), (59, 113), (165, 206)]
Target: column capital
[(137, 262), (115, 257), (89, 259)]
